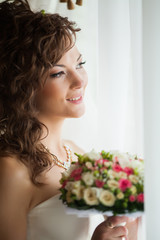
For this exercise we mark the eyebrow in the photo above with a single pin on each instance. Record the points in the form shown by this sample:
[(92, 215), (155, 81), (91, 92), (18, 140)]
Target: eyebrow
[(61, 65)]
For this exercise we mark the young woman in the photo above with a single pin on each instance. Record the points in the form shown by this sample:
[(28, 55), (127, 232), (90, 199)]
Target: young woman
[(42, 82)]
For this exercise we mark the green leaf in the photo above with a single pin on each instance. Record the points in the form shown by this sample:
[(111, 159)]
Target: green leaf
[(105, 186), (43, 12)]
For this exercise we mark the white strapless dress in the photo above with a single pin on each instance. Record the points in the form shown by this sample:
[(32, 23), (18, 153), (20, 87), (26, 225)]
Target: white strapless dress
[(49, 221)]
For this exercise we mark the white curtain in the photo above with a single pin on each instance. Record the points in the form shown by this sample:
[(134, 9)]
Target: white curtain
[(120, 75)]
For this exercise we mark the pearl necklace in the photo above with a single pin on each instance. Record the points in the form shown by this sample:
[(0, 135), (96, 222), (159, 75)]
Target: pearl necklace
[(64, 164)]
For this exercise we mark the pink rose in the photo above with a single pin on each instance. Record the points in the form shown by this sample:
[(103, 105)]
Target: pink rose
[(128, 170), (124, 184), (76, 174), (140, 198), (132, 198), (117, 168), (105, 160), (99, 183), (99, 161), (116, 159)]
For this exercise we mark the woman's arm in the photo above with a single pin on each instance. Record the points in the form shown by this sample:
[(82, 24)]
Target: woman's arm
[(15, 197)]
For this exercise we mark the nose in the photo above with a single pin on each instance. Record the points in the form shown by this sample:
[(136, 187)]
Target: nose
[(78, 79)]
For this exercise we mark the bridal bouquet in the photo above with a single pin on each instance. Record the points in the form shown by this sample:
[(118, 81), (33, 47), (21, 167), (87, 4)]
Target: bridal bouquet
[(107, 182)]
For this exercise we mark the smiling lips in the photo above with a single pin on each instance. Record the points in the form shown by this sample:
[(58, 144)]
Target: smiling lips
[(75, 100)]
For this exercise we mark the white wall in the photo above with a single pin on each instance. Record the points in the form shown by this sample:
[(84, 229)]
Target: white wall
[(151, 79)]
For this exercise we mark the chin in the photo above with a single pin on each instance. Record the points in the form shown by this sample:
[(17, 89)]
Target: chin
[(77, 114)]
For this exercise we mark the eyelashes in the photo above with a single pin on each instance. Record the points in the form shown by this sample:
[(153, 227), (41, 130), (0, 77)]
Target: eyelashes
[(80, 65), (57, 75), (61, 73)]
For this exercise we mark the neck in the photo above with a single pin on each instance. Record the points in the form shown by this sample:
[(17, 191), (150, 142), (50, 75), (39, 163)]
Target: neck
[(53, 140)]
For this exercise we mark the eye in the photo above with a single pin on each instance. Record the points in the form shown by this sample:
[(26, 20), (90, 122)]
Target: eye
[(80, 65), (57, 75)]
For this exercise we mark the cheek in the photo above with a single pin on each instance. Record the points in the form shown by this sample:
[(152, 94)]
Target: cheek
[(84, 76), (51, 90), (85, 79), (48, 95)]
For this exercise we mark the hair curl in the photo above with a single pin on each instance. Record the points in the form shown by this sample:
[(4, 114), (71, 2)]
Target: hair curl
[(30, 43)]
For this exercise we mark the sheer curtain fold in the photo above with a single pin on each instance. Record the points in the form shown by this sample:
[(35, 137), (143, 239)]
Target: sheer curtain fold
[(120, 75)]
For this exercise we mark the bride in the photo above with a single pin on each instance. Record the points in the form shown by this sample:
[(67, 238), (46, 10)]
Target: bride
[(42, 82)]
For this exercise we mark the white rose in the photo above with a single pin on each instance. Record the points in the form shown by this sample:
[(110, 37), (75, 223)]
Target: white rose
[(139, 166), (123, 158), (112, 174), (72, 185), (90, 196), (76, 184), (120, 195), (112, 184), (69, 186), (133, 190), (98, 191), (122, 175), (108, 164), (78, 192), (93, 155), (107, 198), (141, 173), (136, 164), (88, 164), (88, 178), (134, 179)]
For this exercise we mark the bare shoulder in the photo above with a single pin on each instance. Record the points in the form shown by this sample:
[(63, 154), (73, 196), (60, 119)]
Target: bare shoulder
[(13, 169), (74, 147), (16, 193), (15, 179)]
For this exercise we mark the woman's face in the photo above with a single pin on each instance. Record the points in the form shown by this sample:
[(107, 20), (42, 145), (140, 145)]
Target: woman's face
[(63, 91)]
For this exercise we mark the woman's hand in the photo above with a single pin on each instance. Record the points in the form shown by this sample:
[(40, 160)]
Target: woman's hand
[(132, 226), (108, 230)]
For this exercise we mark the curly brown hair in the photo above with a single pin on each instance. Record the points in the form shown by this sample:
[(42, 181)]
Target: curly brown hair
[(30, 43)]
